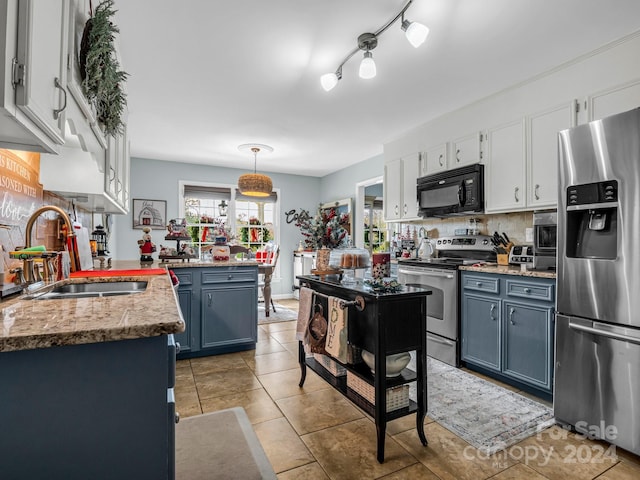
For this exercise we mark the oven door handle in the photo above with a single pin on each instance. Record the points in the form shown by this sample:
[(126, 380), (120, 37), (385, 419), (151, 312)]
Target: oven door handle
[(425, 274)]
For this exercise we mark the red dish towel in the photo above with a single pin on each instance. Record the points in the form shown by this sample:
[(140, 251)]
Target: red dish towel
[(119, 273)]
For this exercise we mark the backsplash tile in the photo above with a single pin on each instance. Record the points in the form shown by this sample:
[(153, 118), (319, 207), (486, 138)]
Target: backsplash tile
[(513, 224)]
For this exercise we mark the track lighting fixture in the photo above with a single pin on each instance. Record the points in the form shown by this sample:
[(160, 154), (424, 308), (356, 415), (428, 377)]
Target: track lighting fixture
[(415, 32)]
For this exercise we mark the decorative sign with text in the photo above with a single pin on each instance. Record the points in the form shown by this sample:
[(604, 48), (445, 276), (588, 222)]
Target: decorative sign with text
[(20, 188)]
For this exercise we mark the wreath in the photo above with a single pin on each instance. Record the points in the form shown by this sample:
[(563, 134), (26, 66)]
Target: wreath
[(102, 78)]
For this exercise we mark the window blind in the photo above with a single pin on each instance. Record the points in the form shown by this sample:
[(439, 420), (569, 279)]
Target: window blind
[(213, 193)]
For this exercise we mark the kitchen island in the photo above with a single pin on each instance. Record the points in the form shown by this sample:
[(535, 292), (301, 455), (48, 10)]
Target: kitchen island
[(382, 324), (87, 383), (219, 302)]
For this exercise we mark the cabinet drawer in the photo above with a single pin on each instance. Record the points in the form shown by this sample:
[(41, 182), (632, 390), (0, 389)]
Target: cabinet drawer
[(185, 277), (481, 283), (533, 291), (225, 276)]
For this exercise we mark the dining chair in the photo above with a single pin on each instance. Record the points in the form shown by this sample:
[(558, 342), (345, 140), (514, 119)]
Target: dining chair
[(273, 252), (234, 249)]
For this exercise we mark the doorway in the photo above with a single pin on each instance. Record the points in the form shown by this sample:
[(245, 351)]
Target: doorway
[(367, 225)]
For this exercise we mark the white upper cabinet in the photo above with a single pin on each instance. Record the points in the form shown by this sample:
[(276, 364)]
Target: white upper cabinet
[(400, 188), (434, 160), (81, 115), (410, 174), (542, 141), (33, 48), (614, 100), (117, 166), (505, 178), (466, 151), (392, 191), (82, 181)]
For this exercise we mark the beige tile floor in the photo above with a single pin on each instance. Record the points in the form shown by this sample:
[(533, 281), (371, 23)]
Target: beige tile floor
[(315, 433)]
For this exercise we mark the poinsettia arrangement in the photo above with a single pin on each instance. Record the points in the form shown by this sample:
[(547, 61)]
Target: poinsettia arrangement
[(325, 229)]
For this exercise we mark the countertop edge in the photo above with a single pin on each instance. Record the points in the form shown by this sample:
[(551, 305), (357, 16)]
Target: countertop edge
[(509, 270), (28, 325)]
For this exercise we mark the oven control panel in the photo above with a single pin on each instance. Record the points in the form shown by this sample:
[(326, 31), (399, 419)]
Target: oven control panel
[(465, 242), (521, 254)]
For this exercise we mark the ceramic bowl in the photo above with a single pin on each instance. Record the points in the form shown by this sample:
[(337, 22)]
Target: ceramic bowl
[(395, 363)]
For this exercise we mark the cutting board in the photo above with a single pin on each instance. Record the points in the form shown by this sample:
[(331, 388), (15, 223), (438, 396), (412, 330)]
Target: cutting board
[(83, 246)]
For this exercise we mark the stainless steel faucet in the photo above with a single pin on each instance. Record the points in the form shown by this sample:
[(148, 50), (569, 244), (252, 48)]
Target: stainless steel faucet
[(27, 269)]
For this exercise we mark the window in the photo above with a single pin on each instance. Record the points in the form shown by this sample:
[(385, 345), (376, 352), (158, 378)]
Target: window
[(255, 220), (213, 211)]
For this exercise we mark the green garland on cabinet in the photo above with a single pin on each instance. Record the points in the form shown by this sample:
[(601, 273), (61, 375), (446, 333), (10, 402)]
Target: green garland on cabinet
[(101, 78)]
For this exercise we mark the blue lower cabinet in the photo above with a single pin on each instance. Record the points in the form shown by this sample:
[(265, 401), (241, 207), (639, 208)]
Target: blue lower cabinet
[(507, 327), (98, 411), (481, 324), (528, 343), (220, 310)]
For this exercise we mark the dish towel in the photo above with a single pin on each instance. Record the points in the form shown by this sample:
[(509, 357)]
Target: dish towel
[(336, 344), (304, 312)]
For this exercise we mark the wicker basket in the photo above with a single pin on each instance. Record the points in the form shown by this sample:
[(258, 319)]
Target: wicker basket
[(397, 397), (330, 365)]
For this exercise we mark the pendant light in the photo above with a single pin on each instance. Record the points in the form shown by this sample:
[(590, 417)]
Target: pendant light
[(255, 184)]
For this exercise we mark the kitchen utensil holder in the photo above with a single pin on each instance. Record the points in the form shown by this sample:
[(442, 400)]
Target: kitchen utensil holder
[(503, 258)]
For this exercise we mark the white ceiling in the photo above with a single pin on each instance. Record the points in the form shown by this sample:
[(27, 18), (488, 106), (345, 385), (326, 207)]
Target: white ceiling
[(209, 75)]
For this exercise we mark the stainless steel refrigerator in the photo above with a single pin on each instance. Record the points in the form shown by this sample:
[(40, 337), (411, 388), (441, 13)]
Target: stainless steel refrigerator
[(597, 371)]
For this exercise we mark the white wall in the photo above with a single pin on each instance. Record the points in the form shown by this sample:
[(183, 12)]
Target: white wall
[(611, 65), (158, 180), (342, 184)]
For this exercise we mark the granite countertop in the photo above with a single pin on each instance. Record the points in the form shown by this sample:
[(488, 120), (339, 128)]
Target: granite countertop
[(509, 270), (202, 263), (29, 324)]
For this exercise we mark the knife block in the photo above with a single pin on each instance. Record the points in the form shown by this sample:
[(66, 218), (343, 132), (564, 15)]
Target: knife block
[(503, 258)]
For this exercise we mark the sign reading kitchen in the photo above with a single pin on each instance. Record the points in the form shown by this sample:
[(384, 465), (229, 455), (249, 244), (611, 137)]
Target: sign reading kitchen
[(20, 186)]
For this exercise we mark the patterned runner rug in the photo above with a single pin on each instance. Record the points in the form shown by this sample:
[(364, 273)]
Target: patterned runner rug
[(487, 416)]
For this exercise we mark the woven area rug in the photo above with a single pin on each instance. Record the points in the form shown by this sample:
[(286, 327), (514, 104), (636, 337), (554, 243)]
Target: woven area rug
[(487, 416), (281, 314)]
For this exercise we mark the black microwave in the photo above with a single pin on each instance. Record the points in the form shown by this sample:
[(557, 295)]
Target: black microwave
[(454, 192)]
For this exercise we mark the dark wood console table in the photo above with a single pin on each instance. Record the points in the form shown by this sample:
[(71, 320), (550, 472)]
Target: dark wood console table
[(389, 323)]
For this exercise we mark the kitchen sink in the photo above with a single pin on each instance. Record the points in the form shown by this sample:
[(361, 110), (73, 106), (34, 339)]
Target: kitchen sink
[(96, 289)]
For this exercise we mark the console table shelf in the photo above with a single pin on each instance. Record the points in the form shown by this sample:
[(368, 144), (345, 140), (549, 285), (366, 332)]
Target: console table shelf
[(389, 323)]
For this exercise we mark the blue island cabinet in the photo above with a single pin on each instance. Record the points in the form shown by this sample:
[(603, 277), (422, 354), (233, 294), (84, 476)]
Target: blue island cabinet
[(220, 309), (98, 410), (507, 328)]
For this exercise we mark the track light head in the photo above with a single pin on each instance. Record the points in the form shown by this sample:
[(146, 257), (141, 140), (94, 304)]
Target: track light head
[(415, 32), (330, 80), (367, 66)]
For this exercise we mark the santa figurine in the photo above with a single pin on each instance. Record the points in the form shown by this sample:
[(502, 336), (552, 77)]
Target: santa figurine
[(146, 246)]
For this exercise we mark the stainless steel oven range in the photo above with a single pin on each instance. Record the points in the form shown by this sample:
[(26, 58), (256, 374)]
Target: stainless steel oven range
[(441, 275)]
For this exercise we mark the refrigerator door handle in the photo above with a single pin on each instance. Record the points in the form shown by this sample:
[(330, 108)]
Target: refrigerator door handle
[(604, 333)]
